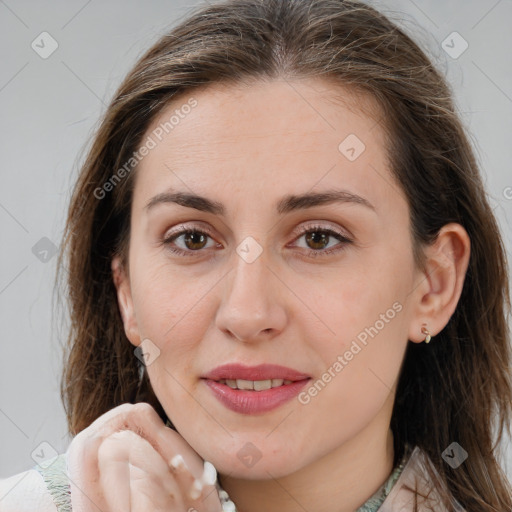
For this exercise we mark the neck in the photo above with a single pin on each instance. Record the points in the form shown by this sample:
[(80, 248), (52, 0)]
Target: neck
[(340, 481)]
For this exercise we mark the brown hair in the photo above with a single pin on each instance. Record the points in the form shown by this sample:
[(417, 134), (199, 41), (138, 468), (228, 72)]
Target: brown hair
[(451, 390)]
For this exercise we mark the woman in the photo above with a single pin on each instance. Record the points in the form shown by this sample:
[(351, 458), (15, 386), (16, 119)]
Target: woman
[(284, 272)]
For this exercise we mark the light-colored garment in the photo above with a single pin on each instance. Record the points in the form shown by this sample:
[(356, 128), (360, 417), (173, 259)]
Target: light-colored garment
[(392, 496), (55, 475), (415, 476)]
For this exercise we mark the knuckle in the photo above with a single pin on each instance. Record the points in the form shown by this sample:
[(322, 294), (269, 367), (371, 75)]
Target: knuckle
[(106, 449), (84, 445), (124, 409), (143, 408), (129, 413), (126, 417), (116, 444)]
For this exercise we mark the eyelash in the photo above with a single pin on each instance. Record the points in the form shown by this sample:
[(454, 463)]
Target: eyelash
[(344, 240)]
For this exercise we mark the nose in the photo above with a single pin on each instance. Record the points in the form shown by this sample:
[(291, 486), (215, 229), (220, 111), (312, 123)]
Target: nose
[(252, 306)]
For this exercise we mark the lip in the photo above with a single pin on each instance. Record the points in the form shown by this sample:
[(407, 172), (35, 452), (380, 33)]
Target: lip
[(235, 371), (254, 402)]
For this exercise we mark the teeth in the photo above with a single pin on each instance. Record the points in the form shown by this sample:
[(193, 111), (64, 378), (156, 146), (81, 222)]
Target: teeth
[(244, 384), (260, 385), (254, 385)]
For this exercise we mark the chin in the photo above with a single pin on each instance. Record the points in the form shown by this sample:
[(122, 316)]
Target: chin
[(269, 469), (255, 460)]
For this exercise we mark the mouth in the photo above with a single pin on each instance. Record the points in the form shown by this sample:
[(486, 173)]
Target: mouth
[(255, 385), (262, 372), (256, 389)]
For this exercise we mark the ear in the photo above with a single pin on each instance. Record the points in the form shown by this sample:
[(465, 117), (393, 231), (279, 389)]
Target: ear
[(438, 288), (124, 299)]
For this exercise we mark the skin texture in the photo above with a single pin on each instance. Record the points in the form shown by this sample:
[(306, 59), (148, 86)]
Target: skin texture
[(247, 147)]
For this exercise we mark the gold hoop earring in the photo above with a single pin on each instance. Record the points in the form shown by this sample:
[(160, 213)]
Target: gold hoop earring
[(426, 332)]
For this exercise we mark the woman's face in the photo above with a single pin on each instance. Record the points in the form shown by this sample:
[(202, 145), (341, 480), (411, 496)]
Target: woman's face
[(269, 277)]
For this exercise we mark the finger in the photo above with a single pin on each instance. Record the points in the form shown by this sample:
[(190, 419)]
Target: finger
[(83, 475), (140, 418), (199, 490), (134, 477), (114, 472), (91, 496), (184, 477), (145, 421), (158, 496), (143, 501)]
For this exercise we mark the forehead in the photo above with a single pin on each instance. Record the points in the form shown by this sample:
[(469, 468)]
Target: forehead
[(281, 135)]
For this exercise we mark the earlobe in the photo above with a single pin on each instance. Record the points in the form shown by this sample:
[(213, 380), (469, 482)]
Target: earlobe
[(439, 287), (124, 300)]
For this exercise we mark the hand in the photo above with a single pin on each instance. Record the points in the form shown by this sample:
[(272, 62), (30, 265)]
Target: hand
[(122, 463)]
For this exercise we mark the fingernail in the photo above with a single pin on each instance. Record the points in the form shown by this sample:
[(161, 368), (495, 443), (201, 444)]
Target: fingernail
[(177, 461), (195, 490), (209, 474)]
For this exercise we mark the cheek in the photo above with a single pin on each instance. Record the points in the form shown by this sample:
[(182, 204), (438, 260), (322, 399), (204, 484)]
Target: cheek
[(358, 370), (168, 301), (365, 341), (362, 336), (174, 310), (360, 303)]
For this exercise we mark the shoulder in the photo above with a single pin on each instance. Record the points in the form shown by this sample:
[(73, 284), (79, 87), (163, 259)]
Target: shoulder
[(25, 492), (45, 488)]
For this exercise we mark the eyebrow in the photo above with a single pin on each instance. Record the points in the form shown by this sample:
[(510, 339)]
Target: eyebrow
[(285, 205)]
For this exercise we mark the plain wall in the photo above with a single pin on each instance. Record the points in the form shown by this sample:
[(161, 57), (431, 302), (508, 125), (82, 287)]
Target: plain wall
[(50, 107)]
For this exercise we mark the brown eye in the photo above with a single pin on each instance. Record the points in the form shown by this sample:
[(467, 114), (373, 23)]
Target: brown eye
[(317, 239), (189, 241), (194, 240)]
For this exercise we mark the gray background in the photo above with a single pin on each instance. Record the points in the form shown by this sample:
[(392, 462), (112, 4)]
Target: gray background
[(51, 106)]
